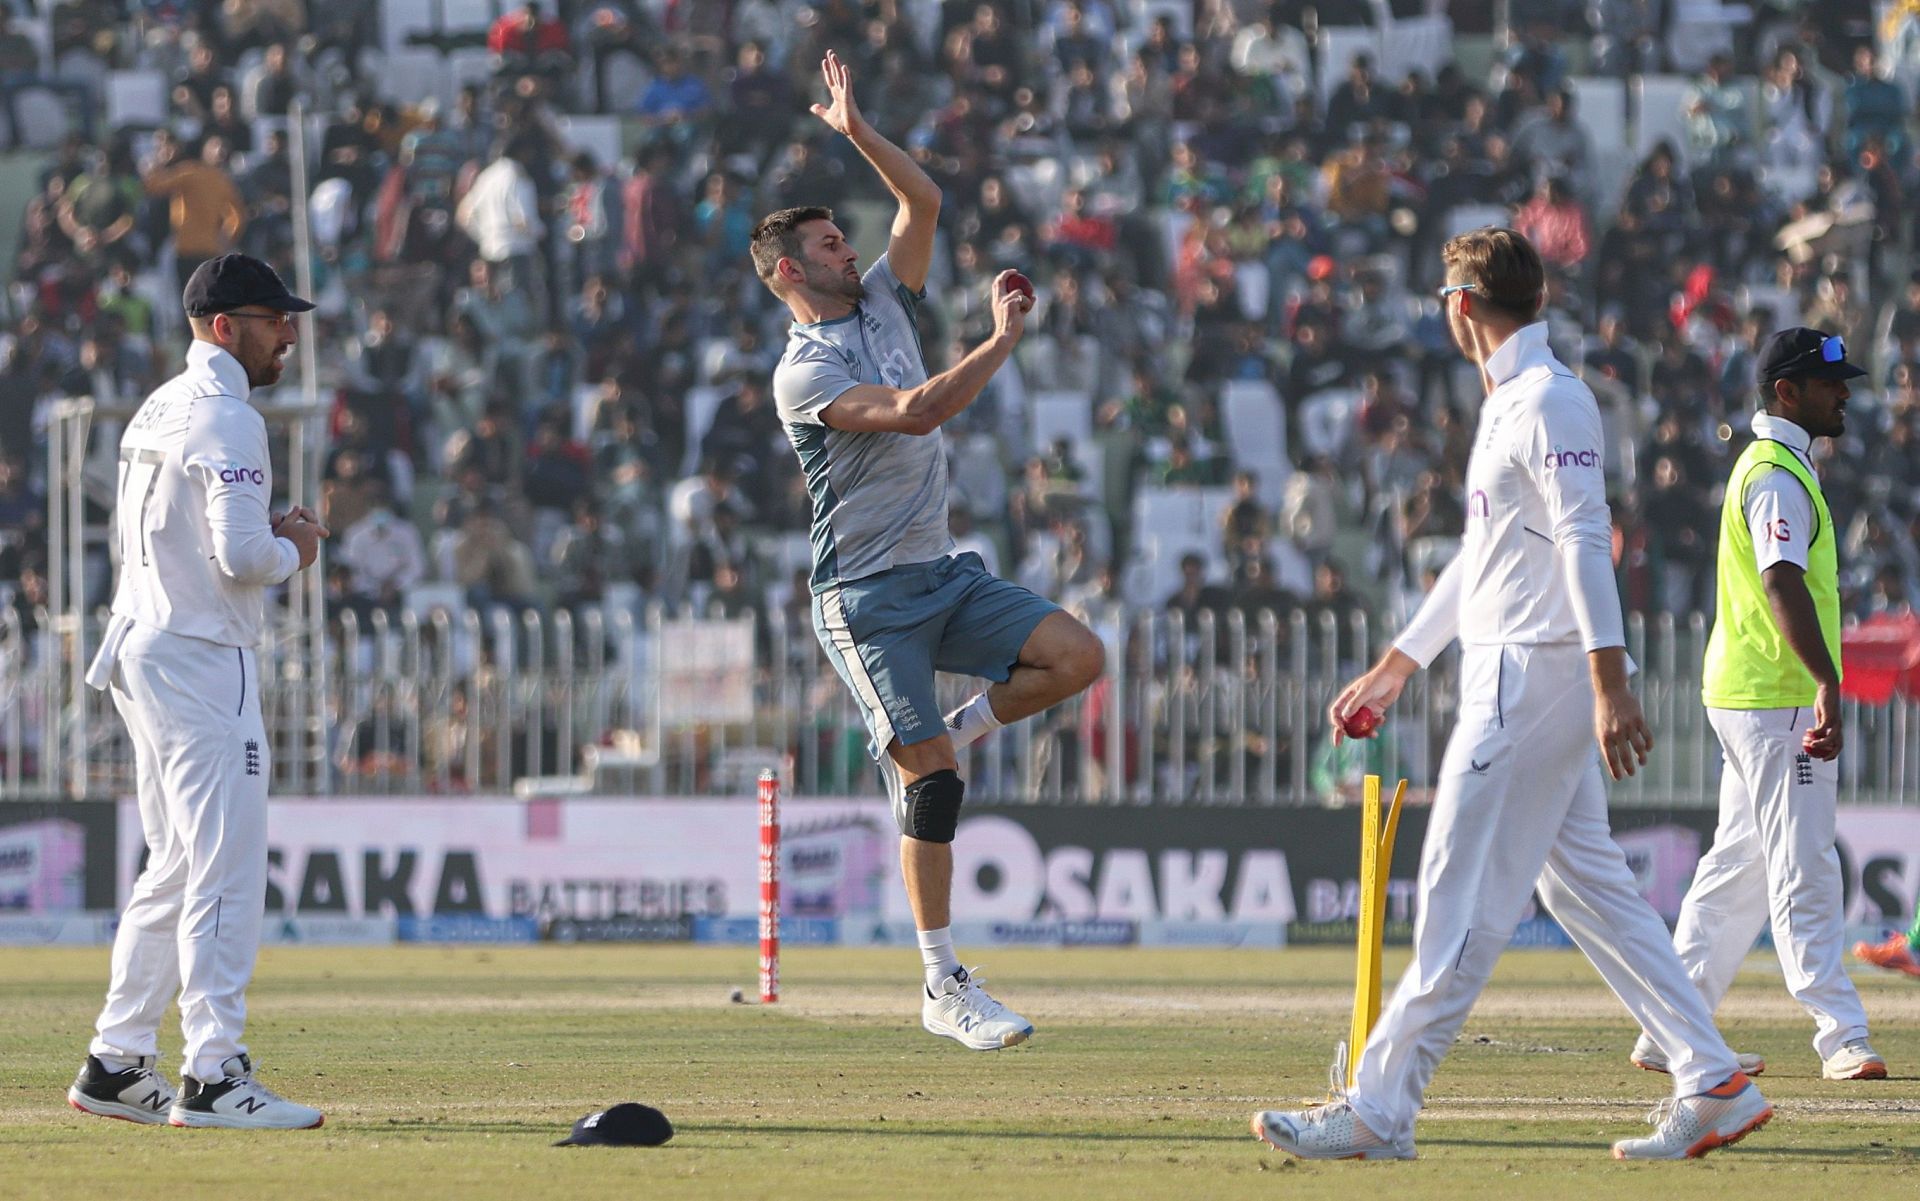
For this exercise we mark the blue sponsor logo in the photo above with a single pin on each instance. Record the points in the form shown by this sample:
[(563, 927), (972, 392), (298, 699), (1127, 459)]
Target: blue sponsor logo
[(465, 927), (745, 931), (1066, 934), (1561, 457)]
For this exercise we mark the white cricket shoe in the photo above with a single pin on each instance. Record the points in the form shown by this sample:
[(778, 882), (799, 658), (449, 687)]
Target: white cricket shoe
[(1689, 1127), (135, 1094), (240, 1102), (1331, 1131), (962, 1011), (1649, 1058), (1855, 1060)]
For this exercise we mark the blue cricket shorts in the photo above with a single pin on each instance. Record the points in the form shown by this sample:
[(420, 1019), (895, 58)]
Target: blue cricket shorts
[(888, 633)]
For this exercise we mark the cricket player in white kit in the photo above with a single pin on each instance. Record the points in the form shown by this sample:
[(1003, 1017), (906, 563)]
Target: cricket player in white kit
[(198, 549), (1772, 690), (1520, 802)]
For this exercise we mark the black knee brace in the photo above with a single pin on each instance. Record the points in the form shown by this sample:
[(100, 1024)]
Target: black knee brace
[(933, 806)]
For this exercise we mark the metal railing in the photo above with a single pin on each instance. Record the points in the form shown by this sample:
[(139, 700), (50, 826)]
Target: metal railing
[(1222, 710)]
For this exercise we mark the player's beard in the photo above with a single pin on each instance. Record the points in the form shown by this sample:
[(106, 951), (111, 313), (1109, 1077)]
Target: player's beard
[(838, 284), (264, 364)]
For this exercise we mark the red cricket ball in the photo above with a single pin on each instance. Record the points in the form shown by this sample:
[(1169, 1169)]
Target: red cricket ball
[(1361, 723), (1018, 282)]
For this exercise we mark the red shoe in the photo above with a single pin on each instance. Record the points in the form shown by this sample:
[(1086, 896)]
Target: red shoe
[(1893, 954)]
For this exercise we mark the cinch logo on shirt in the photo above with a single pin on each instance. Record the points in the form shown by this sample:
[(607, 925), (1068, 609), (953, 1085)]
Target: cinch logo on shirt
[(234, 473), (1560, 457), (1478, 505)]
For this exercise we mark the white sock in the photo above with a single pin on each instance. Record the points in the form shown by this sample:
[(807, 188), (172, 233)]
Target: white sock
[(936, 953), (118, 1063), (971, 722)]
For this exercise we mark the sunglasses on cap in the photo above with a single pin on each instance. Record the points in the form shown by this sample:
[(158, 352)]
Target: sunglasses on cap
[(1832, 349)]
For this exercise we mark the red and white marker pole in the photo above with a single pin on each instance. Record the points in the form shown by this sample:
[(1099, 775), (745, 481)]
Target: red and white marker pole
[(769, 888)]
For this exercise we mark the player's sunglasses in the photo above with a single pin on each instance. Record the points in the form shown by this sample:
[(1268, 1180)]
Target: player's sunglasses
[(282, 320), (1450, 289), (1832, 349)]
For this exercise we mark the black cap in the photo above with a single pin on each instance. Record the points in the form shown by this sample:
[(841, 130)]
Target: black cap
[(1801, 353), (623, 1125), (234, 281)]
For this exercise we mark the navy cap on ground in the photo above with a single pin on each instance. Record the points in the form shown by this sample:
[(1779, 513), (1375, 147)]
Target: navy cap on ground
[(624, 1125), (1795, 354), (234, 281)]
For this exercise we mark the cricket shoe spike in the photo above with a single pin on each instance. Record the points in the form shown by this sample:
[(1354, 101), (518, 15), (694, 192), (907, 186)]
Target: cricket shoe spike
[(961, 1010), (1649, 1058), (1689, 1127), (1855, 1060), (239, 1102), (135, 1094), (1331, 1131)]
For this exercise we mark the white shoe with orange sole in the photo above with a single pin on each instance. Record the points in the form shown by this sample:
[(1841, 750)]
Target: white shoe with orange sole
[(1689, 1127)]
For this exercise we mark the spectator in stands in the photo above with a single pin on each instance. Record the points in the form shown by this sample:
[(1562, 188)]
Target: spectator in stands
[(725, 218), (1194, 595), (489, 563), (1555, 143), (761, 107), (100, 210), (1876, 111), (501, 213), (1245, 524), (1556, 224), (384, 552), (526, 41), (205, 212), (589, 555), (1719, 130), (270, 89), (676, 102), (651, 216)]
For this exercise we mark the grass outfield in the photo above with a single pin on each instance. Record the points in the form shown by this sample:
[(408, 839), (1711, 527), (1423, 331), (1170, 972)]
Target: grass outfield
[(446, 1072)]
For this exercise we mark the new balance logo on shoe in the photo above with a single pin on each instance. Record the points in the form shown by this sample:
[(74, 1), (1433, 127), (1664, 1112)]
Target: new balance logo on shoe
[(157, 1100), (251, 1104)]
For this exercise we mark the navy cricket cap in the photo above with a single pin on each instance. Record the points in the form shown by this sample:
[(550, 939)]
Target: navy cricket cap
[(623, 1125), (1802, 353), (234, 281)]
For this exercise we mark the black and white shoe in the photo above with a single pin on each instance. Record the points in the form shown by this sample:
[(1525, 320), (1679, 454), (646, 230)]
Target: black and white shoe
[(239, 1102), (136, 1094)]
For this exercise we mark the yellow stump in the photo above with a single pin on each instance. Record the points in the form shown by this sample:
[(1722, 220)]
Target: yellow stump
[(1376, 864)]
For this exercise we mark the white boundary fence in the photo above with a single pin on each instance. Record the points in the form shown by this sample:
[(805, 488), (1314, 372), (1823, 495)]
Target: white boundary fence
[(1223, 711)]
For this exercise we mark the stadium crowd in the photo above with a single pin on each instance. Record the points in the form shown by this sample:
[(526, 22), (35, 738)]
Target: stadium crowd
[(548, 371)]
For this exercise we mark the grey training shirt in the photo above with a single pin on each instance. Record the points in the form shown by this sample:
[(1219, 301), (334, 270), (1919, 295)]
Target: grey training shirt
[(879, 499)]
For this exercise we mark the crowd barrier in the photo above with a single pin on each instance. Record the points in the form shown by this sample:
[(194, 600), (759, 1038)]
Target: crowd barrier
[(1225, 709)]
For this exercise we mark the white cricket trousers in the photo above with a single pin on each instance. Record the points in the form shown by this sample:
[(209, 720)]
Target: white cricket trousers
[(1522, 803), (1773, 859), (192, 924)]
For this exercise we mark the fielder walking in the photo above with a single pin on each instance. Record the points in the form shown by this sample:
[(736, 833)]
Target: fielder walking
[(1521, 803), (891, 604), (198, 549), (1772, 690)]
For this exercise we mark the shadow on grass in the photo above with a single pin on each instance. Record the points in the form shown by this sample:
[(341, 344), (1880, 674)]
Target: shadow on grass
[(1852, 1156), (892, 1128)]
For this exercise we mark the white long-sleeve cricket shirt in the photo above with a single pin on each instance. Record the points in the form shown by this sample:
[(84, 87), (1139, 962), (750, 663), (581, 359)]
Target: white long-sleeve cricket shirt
[(197, 551), (1536, 559)]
